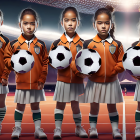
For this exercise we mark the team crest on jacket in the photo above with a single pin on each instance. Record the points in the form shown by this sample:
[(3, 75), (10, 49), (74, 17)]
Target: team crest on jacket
[(37, 49), (0, 44), (112, 49)]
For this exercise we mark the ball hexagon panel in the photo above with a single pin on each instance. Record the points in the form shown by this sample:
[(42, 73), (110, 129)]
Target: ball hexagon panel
[(136, 48), (22, 61), (131, 53), (12, 64), (88, 61), (131, 61), (60, 57), (136, 61), (124, 57), (50, 60)]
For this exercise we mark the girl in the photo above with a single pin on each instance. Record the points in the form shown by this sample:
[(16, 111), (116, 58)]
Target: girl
[(104, 87), (4, 73), (137, 97), (125, 91), (69, 85), (29, 86)]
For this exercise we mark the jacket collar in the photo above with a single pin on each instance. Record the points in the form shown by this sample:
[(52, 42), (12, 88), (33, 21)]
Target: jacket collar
[(68, 38), (21, 39), (75, 39), (109, 39)]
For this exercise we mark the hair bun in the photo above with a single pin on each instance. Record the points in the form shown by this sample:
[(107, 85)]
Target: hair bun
[(110, 8)]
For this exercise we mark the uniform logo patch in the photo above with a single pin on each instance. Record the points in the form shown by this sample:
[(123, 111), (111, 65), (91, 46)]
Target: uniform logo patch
[(112, 49), (78, 48), (1, 44), (94, 46), (37, 49), (18, 47)]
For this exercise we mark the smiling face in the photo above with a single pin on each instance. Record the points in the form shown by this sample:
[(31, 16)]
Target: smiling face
[(103, 24), (28, 25), (69, 22)]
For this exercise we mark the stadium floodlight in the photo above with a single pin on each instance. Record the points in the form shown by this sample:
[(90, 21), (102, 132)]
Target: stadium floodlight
[(45, 35), (48, 35), (90, 6)]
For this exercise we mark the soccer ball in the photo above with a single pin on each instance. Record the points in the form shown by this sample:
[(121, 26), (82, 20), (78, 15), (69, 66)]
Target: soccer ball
[(88, 61), (131, 60), (60, 57), (22, 61)]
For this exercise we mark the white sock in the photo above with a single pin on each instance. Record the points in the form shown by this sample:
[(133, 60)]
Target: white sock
[(4, 108), (137, 123), (114, 124), (58, 117), (18, 124), (2, 113), (37, 121), (77, 119), (93, 124), (37, 124)]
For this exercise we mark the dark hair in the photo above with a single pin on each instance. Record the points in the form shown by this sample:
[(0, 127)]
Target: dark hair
[(29, 11), (70, 9), (1, 15), (109, 11)]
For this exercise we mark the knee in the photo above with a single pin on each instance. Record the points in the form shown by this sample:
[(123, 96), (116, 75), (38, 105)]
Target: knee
[(60, 105), (2, 98), (111, 108), (75, 106), (94, 111), (34, 106), (94, 108), (2, 103), (138, 108), (20, 107)]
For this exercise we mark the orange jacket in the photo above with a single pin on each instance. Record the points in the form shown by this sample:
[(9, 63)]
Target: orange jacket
[(4, 72), (111, 52), (39, 72), (68, 75)]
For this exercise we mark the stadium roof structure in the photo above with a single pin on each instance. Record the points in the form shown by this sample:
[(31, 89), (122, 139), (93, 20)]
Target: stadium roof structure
[(126, 78), (90, 6), (125, 81)]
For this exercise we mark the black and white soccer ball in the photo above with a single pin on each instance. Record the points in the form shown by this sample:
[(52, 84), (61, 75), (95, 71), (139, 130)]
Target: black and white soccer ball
[(131, 61), (22, 61), (88, 61), (60, 57)]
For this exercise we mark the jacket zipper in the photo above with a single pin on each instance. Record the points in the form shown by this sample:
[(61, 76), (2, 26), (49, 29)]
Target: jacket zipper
[(105, 60), (30, 70), (70, 68)]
